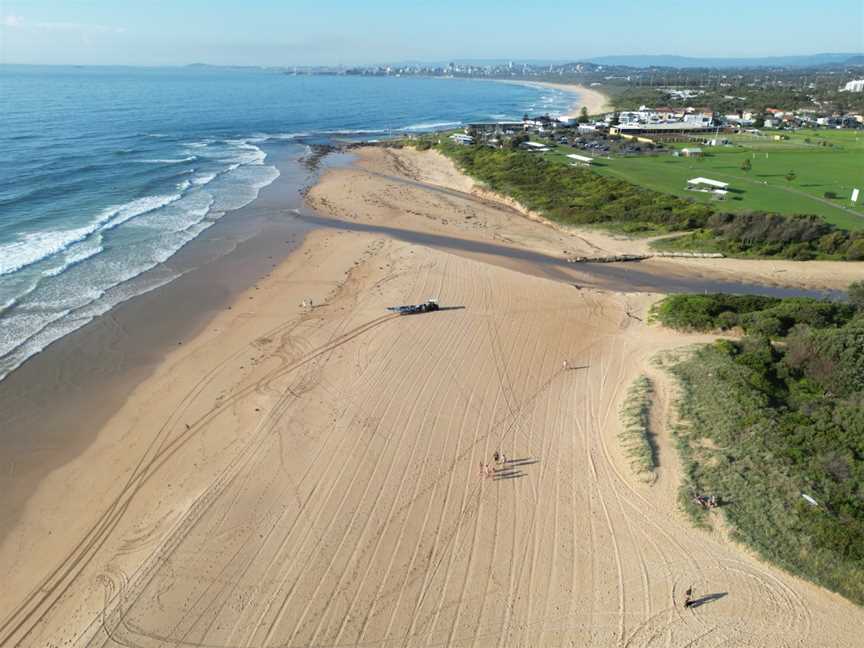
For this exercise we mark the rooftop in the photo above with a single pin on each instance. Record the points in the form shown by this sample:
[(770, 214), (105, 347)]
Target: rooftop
[(709, 182)]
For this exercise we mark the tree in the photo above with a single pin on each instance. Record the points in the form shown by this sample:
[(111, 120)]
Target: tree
[(856, 295), (583, 115), (746, 165), (790, 176), (517, 140)]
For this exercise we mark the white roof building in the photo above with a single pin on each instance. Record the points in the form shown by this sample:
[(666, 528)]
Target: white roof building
[(538, 147), (580, 160), (708, 181), (459, 138), (708, 185)]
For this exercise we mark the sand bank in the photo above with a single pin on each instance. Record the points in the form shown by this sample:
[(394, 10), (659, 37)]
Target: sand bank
[(297, 476)]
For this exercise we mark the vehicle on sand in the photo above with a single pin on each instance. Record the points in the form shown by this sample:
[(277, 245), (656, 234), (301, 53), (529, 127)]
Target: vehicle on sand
[(426, 307)]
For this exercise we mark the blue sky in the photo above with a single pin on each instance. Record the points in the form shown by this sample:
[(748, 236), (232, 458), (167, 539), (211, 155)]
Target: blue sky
[(272, 32)]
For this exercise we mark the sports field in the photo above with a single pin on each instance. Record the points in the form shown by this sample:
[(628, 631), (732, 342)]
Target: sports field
[(822, 161)]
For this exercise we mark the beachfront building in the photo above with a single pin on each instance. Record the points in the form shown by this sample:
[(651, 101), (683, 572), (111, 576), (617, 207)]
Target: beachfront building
[(496, 128), (708, 185), (663, 120), (580, 160), (460, 138)]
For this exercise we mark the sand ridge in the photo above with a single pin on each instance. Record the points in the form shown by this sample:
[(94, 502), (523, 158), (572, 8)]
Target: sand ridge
[(311, 477)]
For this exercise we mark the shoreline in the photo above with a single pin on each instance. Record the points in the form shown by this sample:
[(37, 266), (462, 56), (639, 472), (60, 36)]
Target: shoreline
[(321, 462), (57, 398), (596, 102)]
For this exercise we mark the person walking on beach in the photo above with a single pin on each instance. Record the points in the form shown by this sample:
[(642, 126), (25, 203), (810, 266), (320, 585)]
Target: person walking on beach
[(496, 456)]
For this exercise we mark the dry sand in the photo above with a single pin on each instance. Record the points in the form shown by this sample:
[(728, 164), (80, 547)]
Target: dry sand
[(296, 477), (375, 189), (593, 100)]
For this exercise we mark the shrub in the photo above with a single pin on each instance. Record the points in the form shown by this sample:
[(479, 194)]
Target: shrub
[(765, 316), (856, 294), (761, 424), (635, 436)]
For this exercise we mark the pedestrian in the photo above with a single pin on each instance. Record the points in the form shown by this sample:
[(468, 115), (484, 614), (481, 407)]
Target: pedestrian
[(496, 456), (688, 597), (503, 458)]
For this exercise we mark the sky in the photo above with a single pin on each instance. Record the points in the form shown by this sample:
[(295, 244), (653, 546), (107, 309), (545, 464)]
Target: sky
[(353, 32)]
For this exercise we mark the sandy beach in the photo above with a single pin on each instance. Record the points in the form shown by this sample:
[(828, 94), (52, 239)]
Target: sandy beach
[(593, 100), (311, 475)]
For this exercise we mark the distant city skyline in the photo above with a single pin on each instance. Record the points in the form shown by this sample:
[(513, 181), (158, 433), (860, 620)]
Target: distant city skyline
[(267, 32)]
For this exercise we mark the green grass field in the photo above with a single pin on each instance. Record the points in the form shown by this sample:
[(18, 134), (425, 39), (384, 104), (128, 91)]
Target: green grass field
[(838, 167)]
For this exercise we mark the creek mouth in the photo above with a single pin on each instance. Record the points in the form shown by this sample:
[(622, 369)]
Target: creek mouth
[(620, 277)]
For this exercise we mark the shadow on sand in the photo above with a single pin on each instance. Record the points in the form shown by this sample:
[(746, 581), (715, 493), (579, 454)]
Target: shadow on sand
[(514, 463), (704, 600), (506, 473)]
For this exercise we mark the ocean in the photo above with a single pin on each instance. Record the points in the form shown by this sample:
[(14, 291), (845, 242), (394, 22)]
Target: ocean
[(106, 173)]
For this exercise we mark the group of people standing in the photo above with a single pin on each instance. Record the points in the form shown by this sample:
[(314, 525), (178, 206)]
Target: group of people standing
[(488, 470)]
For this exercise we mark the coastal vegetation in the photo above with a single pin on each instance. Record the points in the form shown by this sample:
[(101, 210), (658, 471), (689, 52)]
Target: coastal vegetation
[(761, 234), (635, 435), (579, 196), (773, 425)]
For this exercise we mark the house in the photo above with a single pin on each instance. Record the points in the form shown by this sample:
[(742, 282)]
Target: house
[(692, 152), (463, 140), (709, 186), (580, 160)]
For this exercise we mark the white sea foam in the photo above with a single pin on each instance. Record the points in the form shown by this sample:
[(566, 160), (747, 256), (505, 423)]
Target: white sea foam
[(74, 275), (356, 131), (76, 254), (114, 216), (189, 158), (431, 126), (203, 179), (33, 247)]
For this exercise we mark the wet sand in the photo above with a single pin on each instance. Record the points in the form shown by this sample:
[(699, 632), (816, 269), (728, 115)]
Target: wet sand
[(53, 406), (295, 476)]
